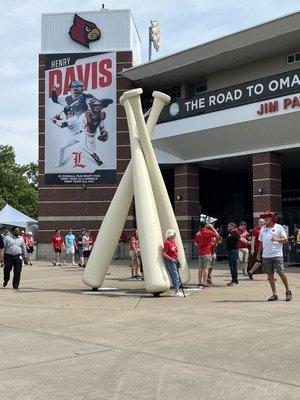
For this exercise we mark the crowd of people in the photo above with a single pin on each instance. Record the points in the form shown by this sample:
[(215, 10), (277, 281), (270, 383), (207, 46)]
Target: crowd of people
[(263, 247), (80, 243), (75, 248), (249, 252)]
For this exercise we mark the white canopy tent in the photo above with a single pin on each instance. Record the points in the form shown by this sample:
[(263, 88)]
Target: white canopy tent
[(11, 216)]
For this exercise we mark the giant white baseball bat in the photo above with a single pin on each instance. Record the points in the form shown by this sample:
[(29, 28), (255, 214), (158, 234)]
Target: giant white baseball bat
[(109, 233), (150, 236), (164, 207), (115, 218)]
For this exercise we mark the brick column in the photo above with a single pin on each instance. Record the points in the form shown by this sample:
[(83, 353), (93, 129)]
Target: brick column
[(186, 201), (266, 168)]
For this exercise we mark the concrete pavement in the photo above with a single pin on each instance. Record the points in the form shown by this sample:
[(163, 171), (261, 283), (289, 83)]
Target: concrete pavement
[(60, 341)]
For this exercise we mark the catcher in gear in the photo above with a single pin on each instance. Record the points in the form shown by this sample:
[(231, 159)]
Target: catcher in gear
[(77, 99), (93, 119), (70, 121)]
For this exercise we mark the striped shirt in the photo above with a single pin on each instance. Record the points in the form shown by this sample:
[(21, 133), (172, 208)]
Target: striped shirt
[(14, 245)]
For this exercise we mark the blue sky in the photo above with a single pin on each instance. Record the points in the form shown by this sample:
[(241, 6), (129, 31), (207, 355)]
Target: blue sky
[(183, 24)]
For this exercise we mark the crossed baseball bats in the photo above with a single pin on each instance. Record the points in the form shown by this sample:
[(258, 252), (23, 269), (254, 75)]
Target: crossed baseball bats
[(154, 213)]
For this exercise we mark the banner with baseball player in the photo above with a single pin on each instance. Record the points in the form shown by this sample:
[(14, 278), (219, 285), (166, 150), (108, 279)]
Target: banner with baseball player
[(80, 118)]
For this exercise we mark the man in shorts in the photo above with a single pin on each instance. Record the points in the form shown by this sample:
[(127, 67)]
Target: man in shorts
[(272, 237), (203, 241), (243, 247), (70, 246), (57, 243)]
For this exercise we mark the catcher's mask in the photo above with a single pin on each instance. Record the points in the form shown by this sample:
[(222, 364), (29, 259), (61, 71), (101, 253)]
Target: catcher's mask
[(76, 88), (95, 106)]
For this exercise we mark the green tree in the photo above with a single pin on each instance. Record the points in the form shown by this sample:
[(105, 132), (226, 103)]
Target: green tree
[(18, 183)]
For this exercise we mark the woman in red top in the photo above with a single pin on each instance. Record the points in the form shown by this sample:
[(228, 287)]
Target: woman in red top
[(57, 242), (134, 253), (170, 255)]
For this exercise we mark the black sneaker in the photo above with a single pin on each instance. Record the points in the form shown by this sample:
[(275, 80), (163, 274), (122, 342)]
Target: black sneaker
[(4, 284), (288, 296), (232, 284), (250, 275), (274, 297)]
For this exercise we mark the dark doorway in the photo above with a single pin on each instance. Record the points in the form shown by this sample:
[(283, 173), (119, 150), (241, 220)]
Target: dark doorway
[(291, 198), (169, 178), (226, 192)]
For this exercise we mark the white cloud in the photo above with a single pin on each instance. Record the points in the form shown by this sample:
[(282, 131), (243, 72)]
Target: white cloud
[(22, 135)]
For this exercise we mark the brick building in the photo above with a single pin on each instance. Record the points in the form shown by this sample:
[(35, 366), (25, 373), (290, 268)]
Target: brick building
[(64, 206), (228, 144)]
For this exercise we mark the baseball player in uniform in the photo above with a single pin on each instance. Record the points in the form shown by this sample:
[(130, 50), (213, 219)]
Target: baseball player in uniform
[(74, 125), (93, 119)]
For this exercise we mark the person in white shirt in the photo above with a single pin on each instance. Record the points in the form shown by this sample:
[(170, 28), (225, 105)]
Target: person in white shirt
[(272, 236)]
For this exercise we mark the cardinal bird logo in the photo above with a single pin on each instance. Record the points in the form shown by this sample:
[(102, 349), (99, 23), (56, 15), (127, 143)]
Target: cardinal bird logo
[(83, 31)]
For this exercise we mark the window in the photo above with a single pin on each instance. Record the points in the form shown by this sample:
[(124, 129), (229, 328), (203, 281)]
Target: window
[(174, 93), (293, 58), (200, 88)]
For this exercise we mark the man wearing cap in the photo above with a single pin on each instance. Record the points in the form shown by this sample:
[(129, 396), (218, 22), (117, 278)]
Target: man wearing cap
[(272, 236)]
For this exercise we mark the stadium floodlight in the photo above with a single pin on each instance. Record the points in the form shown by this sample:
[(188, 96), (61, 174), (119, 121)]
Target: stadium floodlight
[(154, 37)]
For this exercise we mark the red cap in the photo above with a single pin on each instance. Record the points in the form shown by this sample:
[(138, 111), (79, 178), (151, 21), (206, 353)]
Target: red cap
[(268, 213)]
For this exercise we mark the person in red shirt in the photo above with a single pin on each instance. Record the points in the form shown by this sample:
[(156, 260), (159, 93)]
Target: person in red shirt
[(203, 241), (57, 242), (243, 247), (134, 253), (170, 255), (254, 264)]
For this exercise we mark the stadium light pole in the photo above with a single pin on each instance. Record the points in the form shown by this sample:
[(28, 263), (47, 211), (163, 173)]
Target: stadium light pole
[(154, 37)]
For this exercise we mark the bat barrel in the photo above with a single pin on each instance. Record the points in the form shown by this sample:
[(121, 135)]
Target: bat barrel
[(109, 232)]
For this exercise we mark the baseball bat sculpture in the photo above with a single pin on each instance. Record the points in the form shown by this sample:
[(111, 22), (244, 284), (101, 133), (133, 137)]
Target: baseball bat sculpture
[(165, 211), (115, 218), (150, 236)]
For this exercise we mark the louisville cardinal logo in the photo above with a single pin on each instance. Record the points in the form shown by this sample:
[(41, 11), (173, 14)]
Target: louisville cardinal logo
[(77, 160), (83, 31)]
